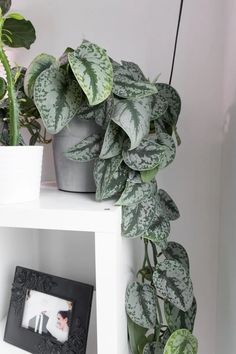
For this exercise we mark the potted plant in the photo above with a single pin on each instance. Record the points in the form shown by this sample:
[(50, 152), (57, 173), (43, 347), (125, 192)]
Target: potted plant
[(137, 119), (20, 164)]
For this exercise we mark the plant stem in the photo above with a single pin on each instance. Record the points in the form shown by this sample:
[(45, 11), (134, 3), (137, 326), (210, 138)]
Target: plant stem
[(155, 255), (147, 255), (13, 105)]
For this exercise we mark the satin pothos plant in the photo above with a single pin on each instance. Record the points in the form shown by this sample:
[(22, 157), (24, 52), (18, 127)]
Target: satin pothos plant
[(138, 119)]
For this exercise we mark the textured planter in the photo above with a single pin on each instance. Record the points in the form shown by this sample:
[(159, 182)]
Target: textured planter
[(73, 176), (20, 173)]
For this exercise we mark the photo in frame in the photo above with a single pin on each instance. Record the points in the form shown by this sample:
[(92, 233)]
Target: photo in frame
[(48, 314)]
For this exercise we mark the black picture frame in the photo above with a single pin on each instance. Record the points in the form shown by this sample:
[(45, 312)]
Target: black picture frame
[(78, 293)]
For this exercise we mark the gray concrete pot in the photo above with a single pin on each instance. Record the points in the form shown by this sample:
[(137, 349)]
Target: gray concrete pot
[(73, 176)]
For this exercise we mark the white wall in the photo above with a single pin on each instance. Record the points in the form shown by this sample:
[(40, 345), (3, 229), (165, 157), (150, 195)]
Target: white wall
[(144, 31), (226, 314)]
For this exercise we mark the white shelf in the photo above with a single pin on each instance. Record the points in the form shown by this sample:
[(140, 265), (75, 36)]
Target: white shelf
[(57, 210)]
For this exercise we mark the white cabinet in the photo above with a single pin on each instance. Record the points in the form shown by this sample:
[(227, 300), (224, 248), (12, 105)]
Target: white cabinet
[(71, 235)]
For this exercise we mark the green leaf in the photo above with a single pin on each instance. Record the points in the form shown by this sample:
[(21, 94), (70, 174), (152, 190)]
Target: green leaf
[(18, 33), (140, 304), (181, 342), (110, 177), (167, 206), (178, 319), (177, 252), (146, 156), (137, 218), (137, 337), (136, 192), (133, 116), (168, 144), (93, 71), (37, 66), (113, 141), (57, 98), (5, 5), (126, 86), (149, 175), (159, 106), (86, 150), (134, 70), (158, 231), (173, 283), (16, 16), (3, 88), (151, 348), (174, 103)]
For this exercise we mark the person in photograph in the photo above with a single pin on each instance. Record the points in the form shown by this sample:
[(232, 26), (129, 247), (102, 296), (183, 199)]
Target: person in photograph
[(61, 330)]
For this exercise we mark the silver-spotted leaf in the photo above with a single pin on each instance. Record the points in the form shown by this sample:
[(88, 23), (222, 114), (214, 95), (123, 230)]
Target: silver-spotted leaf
[(145, 157), (178, 319), (133, 116), (5, 6), (151, 348), (166, 206), (37, 66), (168, 144), (159, 106), (136, 192), (57, 98), (93, 71), (173, 283), (135, 72), (140, 304), (113, 141), (86, 150), (174, 103), (177, 252), (110, 176), (181, 342), (126, 86), (158, 231), (137, 218)]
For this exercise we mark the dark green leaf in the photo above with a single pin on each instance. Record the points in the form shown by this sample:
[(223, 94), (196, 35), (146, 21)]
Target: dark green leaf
[(20, 33), (5, 6), (177, 252), (3, 88)]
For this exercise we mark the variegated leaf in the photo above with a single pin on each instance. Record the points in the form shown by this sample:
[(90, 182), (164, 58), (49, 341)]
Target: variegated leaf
[(177, 252), (166, 206), (158, 231), (113, 141), (86, 150), (133, 116), (173, 283), (57, 98), (126, 87), (103, 120), (137, 218), (151, 348), (168, 144), (140, 304), (159, 106), (135, 193), (93, 71), (174, 103), (149, 175), (145, 157), (134, 70), (181, 342), (178, 319), (110, 177), (38, 65)]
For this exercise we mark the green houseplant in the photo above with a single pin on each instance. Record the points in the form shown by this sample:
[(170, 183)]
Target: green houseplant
[(20, 180), (137, 119)]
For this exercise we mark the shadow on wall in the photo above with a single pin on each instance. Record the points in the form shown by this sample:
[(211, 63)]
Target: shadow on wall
[(227, 261)]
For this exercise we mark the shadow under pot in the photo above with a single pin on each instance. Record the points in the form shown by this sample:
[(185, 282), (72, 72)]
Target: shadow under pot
[(73, 176)]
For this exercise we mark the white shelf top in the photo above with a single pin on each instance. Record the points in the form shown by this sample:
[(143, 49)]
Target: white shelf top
[(57, 210)]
